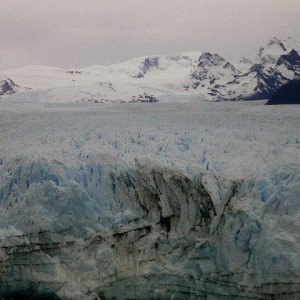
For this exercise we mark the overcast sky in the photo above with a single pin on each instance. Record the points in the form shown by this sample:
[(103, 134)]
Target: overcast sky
[(77, 33)]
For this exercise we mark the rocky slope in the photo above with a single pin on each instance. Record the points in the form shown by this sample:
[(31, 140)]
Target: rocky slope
[(7, 87), (289, 93)]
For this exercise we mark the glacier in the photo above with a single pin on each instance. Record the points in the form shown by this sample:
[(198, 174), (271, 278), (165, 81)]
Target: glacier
[(187, 200), (104, 231)]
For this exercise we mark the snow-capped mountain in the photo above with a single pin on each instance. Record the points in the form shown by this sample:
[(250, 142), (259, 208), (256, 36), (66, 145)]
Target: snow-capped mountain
[(275, 65), (269, 54), (211, 74), (182, 77), (139, 80)]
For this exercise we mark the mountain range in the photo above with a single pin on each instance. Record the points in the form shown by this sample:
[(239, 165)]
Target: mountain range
[(183, 77)]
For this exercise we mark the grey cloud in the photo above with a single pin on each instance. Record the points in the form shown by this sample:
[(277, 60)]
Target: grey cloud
[(70, 33)]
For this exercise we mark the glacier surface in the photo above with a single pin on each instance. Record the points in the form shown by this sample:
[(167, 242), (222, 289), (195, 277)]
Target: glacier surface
[(157, 201)]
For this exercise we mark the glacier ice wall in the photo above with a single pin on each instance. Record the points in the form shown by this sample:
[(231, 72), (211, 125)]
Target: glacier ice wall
[(100, 230)]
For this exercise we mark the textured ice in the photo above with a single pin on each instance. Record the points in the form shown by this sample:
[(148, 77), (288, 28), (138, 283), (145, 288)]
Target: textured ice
[(134, 201)]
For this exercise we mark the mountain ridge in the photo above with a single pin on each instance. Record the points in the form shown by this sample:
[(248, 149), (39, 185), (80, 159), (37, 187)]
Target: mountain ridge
[(189, 75)]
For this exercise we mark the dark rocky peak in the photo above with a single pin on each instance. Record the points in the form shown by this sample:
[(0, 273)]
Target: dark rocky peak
[(270, 76), (256, 68), (7, 87), (266, 79), (207, 58), (289, 93), (144, 98), (150, 63), (291, 59)]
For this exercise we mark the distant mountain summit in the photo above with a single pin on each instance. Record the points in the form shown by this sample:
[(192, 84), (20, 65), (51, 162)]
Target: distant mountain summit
[(275, 65), (191, 75), (269, 54), (210, 75)]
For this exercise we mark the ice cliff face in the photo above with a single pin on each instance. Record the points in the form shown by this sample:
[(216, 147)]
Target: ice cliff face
[(99, 230)]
